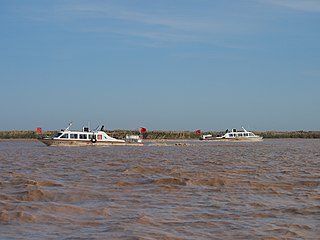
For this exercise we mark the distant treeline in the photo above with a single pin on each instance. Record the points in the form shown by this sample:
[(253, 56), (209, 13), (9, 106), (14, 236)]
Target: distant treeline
[(163, 134), (294, 134)]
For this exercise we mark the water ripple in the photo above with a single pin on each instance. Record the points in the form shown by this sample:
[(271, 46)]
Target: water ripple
[(166, 190)]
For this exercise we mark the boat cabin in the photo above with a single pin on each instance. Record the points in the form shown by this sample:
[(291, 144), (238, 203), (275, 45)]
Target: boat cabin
[(85, 135), (77, 135), (238, 134)]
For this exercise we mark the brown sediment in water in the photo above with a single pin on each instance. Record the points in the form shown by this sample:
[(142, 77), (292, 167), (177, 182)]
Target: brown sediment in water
[(185, 190)]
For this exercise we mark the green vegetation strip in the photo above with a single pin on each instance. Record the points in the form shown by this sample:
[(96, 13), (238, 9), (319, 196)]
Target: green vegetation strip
[(162, 134)]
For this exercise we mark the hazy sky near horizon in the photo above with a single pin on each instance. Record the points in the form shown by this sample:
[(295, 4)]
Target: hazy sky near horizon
[(164, 65)]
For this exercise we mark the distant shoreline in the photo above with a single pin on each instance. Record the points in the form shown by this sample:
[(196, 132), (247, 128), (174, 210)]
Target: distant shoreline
[(162, 135)]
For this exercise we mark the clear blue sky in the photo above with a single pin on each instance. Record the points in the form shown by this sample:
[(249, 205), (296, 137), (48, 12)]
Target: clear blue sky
[(164, 65)]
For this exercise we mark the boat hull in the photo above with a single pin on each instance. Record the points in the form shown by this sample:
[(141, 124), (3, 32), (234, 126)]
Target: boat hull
[(55, 142)]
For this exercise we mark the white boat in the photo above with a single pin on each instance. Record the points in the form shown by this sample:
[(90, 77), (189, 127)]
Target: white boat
[(234, 135), (87, 137)]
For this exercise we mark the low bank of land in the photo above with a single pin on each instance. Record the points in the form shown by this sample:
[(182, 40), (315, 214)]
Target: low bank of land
[(163, 134)]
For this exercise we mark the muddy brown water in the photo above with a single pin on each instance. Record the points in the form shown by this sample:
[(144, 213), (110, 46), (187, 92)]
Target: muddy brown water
[(192, 190)]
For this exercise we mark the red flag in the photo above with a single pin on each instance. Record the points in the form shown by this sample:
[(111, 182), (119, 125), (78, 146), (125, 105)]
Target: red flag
[(198, 131), (39, 130), (142, 130)]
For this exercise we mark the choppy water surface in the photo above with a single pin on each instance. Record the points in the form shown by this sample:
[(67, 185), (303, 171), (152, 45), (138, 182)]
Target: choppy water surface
[(265, 190)]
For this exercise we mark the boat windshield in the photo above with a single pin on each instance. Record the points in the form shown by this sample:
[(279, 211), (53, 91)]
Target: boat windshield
[(58, 134)]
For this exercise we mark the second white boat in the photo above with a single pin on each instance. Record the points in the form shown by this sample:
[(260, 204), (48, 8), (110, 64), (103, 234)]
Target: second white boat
[(235, 135)]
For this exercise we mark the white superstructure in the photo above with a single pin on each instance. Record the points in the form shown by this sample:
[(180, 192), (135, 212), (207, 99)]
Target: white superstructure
[(86, 137), (234, 134)]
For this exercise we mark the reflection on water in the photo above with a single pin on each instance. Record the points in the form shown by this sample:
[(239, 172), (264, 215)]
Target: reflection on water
[(194, 190)]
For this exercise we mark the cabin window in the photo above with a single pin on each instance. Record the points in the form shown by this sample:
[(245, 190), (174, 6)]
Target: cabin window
[(240, 134), (230, 135), (89, 136), (74, 136), (251, 134), (99, 137), (246, 134), (66, 135), (83, 136)]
